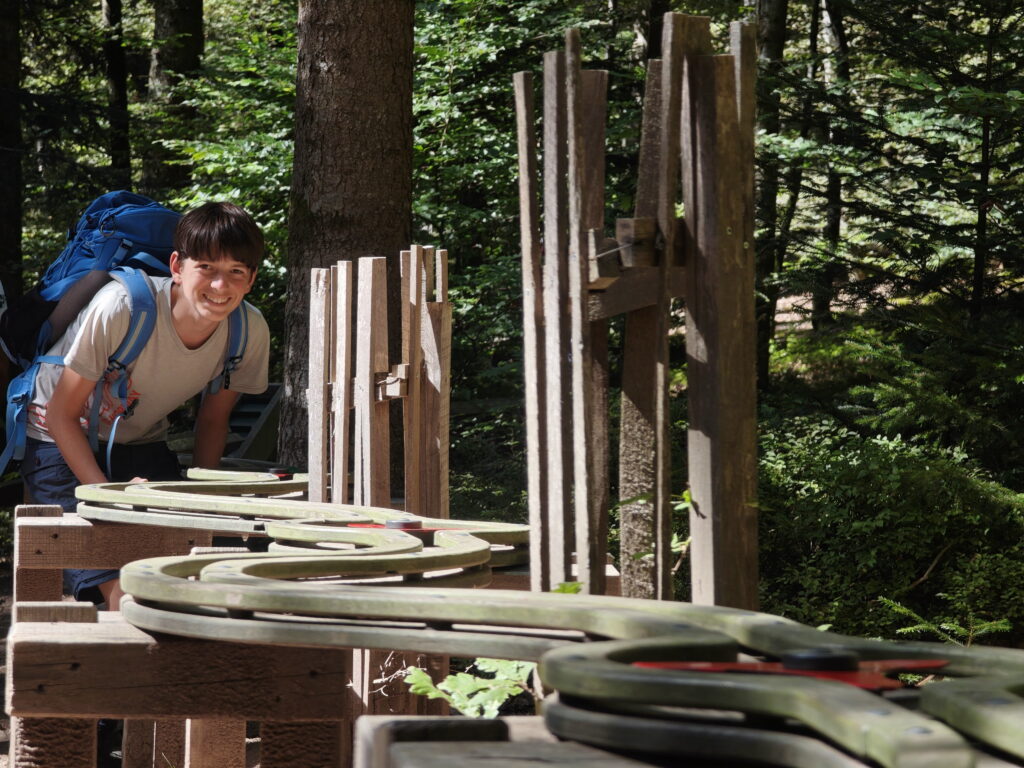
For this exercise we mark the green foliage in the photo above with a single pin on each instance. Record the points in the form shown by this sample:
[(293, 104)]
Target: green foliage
[(476, 695), (847, 517), (949, 631)]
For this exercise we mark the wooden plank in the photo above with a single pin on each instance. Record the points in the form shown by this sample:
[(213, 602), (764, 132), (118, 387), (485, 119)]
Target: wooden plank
[(38, 510), (120, 671), (639, 293), (74, 542), (215, 743), (441, 275), (372, 481), (579, 327), (637, 288), (137, 745), (73, 612), (36, 584), (45, 742), (374, 734), (720, 353), (556, 336), (169, 743), (434, 401), (445, 384), (533, 334), (668, 186), (305, 745), (591, 373), (412, 409), (316, 392), (380, 431), (521, 754), (341, 390)]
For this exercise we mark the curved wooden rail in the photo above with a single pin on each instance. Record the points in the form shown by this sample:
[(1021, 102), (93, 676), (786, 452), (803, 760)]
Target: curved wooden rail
[(327, 581)]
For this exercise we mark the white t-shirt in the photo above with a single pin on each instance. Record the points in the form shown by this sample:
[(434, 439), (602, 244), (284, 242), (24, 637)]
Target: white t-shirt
[(164, 375)]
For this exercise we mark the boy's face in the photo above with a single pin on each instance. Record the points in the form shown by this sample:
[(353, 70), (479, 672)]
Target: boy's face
[(212, 286)]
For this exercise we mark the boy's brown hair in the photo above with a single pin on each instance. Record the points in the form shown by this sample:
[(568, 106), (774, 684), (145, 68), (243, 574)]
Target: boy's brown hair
[(218, 230)]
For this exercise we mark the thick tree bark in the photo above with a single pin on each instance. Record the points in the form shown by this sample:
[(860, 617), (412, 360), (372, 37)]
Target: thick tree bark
[(352, 180), (119, 144), (772, 29), (10, 147), (177, 51)]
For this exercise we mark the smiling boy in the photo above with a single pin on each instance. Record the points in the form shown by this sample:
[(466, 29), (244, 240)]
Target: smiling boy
[(218, 248)]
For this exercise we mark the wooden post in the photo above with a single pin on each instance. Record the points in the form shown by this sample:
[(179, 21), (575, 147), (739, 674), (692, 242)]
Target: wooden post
[(372, 441), (668, 186), (637, 419), (341, 401), (533, 336), (556, 335), (34, 583), (720, 350), (317, 392), (215, 744), (435, 387), (585, 106)]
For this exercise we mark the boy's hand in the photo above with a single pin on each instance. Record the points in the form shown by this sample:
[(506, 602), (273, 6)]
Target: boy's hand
[(137, 480)]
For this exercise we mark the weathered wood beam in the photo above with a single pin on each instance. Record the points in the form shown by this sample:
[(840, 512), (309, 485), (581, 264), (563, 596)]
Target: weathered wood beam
[(533, 335), (112, 669)]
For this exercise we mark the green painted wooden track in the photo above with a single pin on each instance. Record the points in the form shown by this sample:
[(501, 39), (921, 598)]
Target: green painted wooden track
[(324, 583)]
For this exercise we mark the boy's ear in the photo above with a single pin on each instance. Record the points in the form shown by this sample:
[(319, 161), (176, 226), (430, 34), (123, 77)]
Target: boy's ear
[(175, 265)]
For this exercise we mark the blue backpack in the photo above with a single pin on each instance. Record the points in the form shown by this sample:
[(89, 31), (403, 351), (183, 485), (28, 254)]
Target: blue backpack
[(121, 236)]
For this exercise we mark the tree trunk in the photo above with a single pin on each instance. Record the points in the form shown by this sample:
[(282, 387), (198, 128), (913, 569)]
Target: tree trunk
[(982, 198), (10, 147), (119, 144), (177, 51), (825, 290), (772, 29), (351, 190)]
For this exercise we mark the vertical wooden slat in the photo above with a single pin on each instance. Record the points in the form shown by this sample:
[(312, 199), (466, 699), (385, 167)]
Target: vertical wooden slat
[(591, 412), (372, 439), (341, 400), (533, 334), (380, 440), (720, 352), (412, 410), (316, 393), (579, 328), (137, 745), (556, 336), (435, 392), (215, 744), (668, 186), (697, 41), (169, 742), (444, 352), (636, 424), (49, 741)]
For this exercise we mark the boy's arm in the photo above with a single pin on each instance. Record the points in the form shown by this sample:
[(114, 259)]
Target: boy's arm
[(212, 428), (62, 422)]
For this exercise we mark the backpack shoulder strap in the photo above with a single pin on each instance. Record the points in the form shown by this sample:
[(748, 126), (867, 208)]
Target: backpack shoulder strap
[(142, 321), (238, 338)]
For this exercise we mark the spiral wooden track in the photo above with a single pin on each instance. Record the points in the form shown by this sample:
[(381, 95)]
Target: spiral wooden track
[(326, 582)]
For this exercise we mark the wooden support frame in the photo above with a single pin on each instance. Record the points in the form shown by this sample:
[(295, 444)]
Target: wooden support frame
[(688, 131)]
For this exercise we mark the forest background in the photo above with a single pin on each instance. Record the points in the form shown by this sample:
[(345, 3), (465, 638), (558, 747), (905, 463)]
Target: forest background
[(890, 220)]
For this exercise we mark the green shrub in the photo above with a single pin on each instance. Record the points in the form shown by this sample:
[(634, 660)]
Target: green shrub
[(847, 518)]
